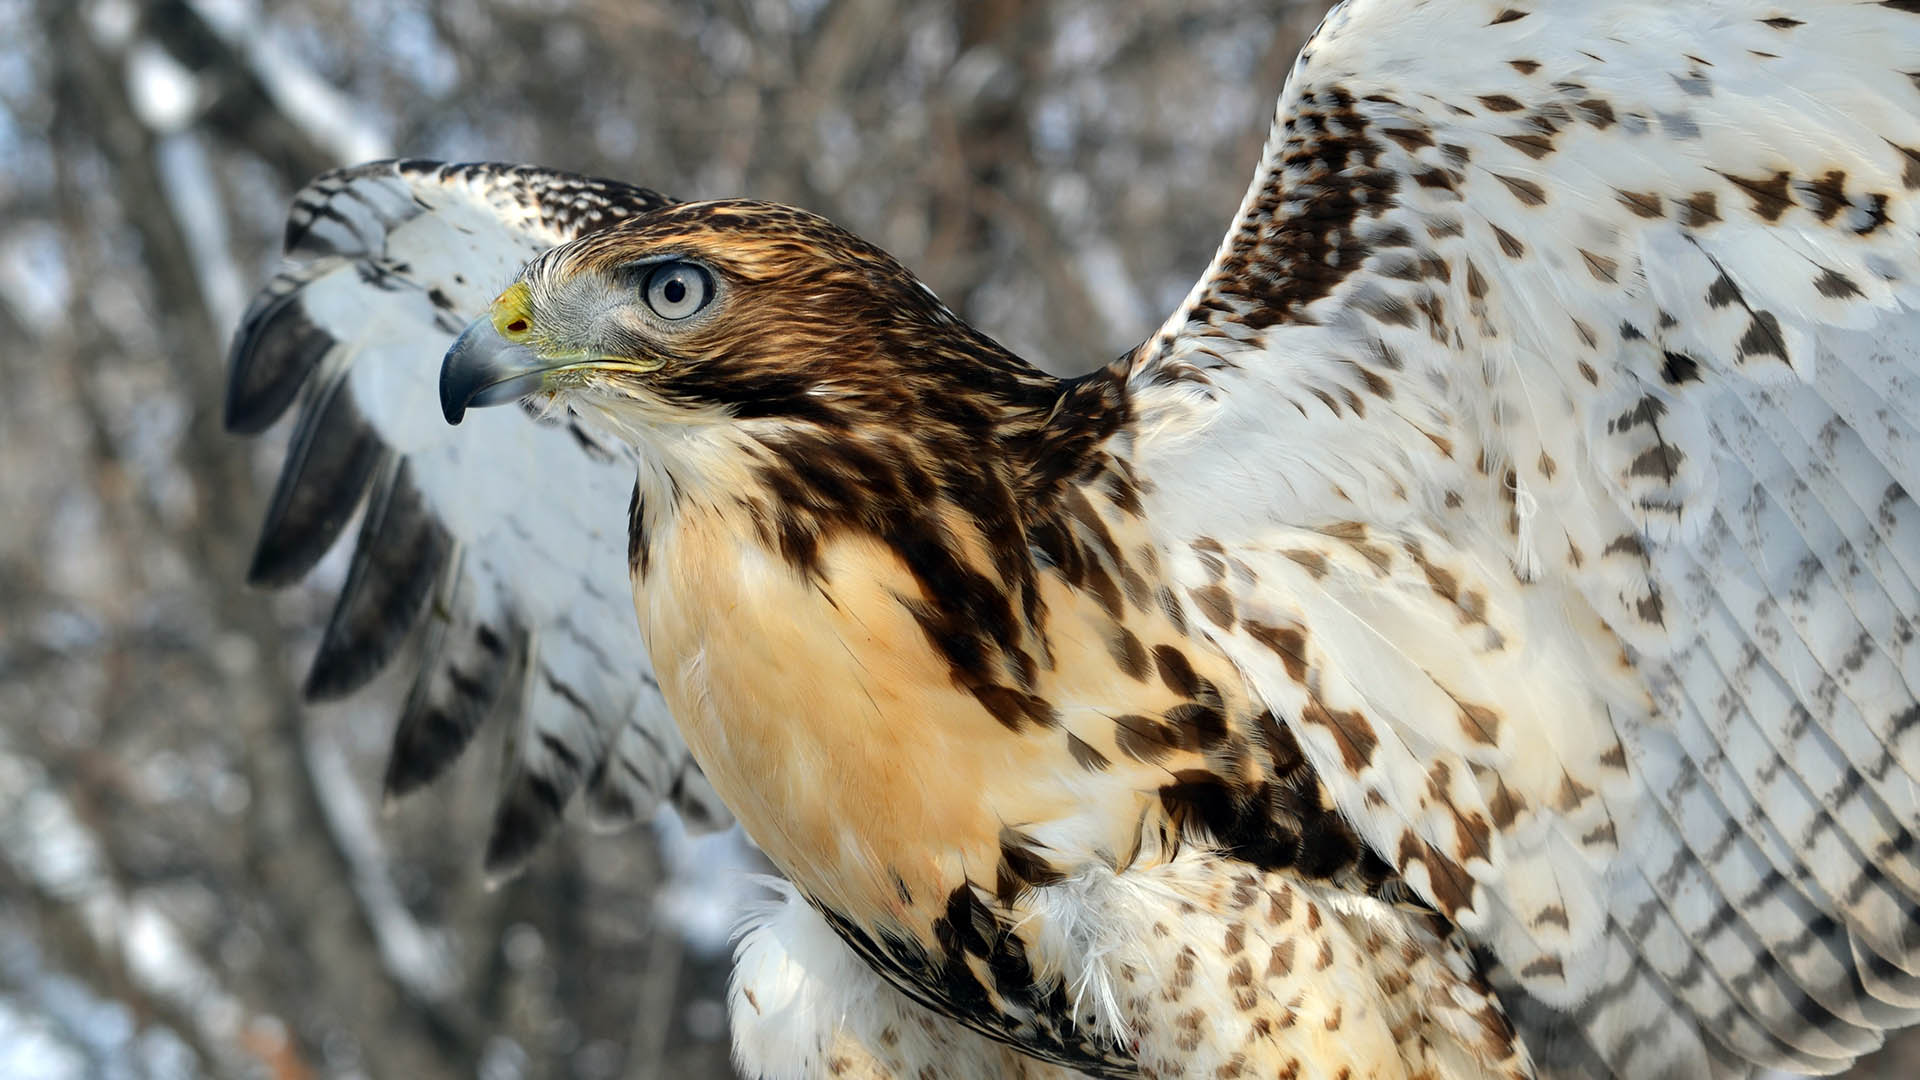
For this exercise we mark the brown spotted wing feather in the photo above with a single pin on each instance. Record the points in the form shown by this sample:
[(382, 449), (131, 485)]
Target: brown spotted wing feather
[(1557, 388)]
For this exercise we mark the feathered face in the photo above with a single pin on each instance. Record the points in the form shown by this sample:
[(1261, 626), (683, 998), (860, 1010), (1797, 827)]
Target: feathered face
[(718, 311)]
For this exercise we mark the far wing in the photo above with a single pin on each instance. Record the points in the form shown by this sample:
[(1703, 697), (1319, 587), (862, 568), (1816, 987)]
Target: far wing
[(522, 599), (1551, 421)]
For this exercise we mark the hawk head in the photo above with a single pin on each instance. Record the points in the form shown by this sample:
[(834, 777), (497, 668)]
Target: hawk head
[(732, 311), (763, 350)]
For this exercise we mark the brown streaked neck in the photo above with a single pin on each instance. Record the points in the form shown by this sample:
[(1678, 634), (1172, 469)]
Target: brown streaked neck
[(933, 413), (955, 486), (1069, 445), (955, 462)]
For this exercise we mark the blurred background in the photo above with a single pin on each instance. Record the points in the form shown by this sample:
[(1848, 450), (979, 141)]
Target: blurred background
[(195, 877)]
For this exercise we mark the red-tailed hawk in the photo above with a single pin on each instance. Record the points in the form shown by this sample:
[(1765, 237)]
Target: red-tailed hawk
[(1473, 637)]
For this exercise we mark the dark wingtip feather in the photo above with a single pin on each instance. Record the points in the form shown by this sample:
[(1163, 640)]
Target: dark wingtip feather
[(399, 556), (698, 804), (464, 675), (529, 808), (331, 460), (273, 352), (424, 744)]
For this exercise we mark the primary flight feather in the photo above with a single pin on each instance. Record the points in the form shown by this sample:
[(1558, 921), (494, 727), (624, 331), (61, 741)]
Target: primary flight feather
[(1473, 637)]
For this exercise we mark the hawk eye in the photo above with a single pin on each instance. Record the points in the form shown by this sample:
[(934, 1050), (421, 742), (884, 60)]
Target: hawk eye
[(676, 290)]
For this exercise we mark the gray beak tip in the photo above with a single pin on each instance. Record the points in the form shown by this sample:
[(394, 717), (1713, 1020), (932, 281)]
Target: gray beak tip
[(451, 407), (483, 368)]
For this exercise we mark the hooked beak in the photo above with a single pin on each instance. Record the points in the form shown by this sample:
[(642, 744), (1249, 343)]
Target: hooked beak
[(484, 368)]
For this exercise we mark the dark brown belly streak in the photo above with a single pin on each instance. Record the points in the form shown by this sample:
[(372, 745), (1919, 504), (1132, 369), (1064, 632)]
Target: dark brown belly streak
[(973, 940)]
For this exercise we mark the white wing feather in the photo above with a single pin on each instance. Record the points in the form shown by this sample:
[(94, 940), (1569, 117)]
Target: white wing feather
[(388, 261), (1560, 381)]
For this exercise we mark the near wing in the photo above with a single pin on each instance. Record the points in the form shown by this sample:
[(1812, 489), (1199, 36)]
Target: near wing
[(522, 599), (1543, 442)]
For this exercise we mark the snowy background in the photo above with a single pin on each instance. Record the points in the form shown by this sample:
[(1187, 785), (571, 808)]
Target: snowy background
[(194, 878)]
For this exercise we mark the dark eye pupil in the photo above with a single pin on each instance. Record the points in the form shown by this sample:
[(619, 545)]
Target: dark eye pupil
[(676, 290)]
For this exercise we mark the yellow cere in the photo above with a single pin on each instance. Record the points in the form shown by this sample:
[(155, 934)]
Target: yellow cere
[(509, 313)]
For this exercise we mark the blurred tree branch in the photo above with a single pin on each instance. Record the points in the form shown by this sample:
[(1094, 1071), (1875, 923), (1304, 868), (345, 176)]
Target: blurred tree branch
[(335, 961)]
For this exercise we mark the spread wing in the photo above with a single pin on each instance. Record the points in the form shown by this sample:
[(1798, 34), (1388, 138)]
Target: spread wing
[(1542, 444), (523, 608)]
